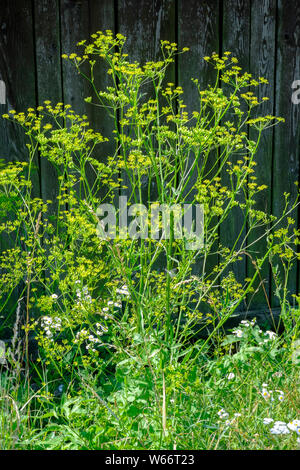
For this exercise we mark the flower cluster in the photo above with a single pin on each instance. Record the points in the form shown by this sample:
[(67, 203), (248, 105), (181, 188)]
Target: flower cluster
[(247, 323), (269, 394), (223, 415), (83, 295), (123, 291), (270, 335), (90, 339), (50, 325), (281, 427), (238, 332)]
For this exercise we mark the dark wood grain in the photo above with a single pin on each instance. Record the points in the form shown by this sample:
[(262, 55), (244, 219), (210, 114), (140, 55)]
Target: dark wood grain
[(236, 39), (198, 29), (102, 18), (262, 64), (145, 24), (287, 137), (75, 26), (49, 80), (17, 70)]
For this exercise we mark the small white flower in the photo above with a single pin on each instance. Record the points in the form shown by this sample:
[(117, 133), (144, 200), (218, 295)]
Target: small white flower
[(54, 296), (271, 334), (268, 420), (123, 291), (279, 428), (265, 393), (223, 414), (230, 376), (294, 426), (238, 332)]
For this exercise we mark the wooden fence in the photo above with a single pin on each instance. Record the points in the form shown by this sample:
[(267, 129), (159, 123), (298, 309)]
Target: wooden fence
[(263, 34)]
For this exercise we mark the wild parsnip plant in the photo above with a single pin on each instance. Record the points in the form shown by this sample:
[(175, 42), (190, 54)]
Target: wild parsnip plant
[(117, 320)]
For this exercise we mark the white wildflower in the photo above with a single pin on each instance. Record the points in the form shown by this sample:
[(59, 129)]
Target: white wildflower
[(223, 414), (265, 393), (271, 334), (294, 426), (268, 420), (238, 332), (279, 428)]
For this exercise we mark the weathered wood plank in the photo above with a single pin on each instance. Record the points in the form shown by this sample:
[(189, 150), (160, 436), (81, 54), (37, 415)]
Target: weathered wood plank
[(79, 20), (17, 70), (102, 18), (287, 136), (74, 28), (49, 79), (198, 29), (262, 64), (145, 26), (236, 39)]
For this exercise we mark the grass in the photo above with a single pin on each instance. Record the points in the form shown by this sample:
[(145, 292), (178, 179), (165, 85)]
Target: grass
[(219, 403)]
